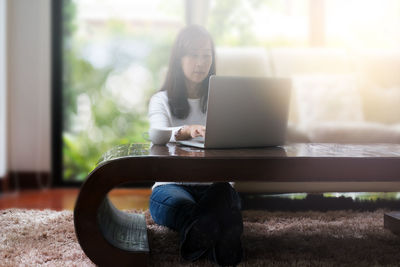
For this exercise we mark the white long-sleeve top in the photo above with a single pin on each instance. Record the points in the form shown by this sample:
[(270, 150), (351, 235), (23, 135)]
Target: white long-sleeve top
[(160, 117)]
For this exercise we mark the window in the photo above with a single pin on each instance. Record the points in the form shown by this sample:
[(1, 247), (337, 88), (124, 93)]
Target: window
[(259, 22), (114, 57), (360, 24)]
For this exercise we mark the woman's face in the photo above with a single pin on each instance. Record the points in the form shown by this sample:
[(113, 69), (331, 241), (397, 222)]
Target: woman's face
[(197, 62)]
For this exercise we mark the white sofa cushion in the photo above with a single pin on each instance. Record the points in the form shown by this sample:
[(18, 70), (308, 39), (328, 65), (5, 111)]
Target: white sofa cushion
[(242, 61), (354, 133), (379, 83), (381, 104), (326, 98), (286, 62)]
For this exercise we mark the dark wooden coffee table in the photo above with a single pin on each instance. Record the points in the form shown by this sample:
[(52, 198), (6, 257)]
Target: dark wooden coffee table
[(112, 237)]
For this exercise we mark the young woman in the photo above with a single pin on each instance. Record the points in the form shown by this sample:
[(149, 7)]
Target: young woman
[(206, 215)]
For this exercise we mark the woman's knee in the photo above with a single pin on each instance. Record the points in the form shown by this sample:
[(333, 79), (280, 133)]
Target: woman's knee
[(171, 194), (162, 214), (172, 206)]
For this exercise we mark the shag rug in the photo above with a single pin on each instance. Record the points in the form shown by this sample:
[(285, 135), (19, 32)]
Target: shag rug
[(334, 238)]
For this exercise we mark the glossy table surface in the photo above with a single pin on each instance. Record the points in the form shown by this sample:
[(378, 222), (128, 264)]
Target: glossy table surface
[(298, 162), (295, 150), (111, 237)]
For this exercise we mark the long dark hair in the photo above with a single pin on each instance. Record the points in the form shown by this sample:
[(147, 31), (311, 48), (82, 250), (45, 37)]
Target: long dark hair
[(175, 81)]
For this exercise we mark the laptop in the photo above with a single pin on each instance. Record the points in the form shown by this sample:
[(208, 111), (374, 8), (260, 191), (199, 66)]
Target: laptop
[(245, 112)]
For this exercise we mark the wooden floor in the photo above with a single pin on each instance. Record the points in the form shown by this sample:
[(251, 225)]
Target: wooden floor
[(64, 199)]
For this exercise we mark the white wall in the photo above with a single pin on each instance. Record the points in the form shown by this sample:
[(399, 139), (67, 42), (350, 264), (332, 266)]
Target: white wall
[(3, 82), (29, 135)]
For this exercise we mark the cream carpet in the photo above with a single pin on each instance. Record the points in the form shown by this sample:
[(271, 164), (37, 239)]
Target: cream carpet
[(335, 238)]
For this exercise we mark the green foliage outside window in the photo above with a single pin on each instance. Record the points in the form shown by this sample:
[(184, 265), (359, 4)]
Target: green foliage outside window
[(95, 117)]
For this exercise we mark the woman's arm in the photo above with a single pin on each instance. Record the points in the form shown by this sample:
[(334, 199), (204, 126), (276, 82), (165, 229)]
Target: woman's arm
[(190, 131), (160, 116)]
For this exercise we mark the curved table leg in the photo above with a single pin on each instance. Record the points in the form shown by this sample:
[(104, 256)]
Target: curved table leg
[(122, 230), (108, 236)]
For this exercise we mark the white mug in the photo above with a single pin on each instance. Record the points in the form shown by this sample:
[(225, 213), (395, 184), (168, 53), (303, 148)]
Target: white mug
[(159, 136)]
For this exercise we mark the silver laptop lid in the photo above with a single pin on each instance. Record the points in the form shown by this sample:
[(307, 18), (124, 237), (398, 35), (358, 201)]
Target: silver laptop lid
[(247, 112)]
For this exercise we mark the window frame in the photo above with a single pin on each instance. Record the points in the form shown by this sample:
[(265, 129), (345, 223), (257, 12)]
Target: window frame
[(56, 97)]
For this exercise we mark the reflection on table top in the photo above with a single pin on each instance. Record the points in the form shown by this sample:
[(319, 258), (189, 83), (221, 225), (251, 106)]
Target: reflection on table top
[(295, 150)]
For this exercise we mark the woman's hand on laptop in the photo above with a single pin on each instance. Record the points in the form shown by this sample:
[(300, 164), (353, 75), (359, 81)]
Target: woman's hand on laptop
[(190, 131)]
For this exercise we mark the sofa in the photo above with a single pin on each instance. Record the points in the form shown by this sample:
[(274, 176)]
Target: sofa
[(338, 96)]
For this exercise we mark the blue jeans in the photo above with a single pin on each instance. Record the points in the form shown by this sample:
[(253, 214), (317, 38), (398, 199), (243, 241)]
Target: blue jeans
[(176, 206)]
